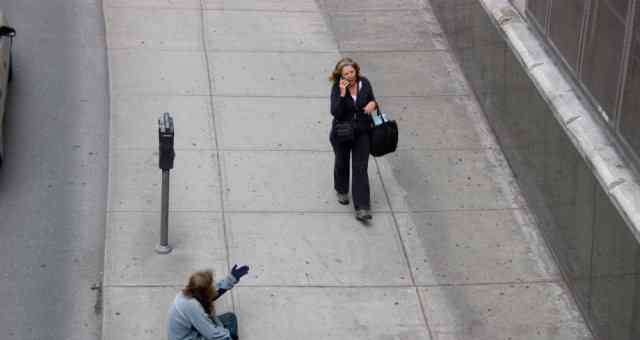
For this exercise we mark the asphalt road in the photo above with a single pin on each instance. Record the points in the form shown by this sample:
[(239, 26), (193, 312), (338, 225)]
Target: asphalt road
[(54, 181)]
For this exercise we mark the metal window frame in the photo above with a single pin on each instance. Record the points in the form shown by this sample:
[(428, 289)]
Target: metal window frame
[(632, 154), (583, 40), (628, 39), (535, 22), (547, 16), (575, 73), (607, 117), (610, 119)]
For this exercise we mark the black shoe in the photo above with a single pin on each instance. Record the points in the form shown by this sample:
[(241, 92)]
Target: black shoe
[(343, 199), (363, 215)]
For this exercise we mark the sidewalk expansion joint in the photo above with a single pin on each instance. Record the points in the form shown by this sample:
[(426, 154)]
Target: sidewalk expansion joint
[(214, 129), (250, 51), (427, 96), (302, 51), (274, 150), (273, 51), (241, 95), (213, 9), (304, 212), (396, 211), (404, 251), (258, 10), (193, 50), (244, 286), (146, 285), (216, 50), (496, 283), (444, 148), (426, 211), (414, 50), (232, 211), (229, 149), (559, 280), (318, 11), (160, 8), (435, 285)]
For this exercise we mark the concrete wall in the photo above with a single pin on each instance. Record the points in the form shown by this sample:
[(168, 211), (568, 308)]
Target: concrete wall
[(592, 234)]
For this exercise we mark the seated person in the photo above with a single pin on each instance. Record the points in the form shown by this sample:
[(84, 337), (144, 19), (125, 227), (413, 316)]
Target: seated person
[(192, 314)]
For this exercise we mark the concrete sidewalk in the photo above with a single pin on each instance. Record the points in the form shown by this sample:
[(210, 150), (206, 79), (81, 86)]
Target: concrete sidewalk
[(451, 252)]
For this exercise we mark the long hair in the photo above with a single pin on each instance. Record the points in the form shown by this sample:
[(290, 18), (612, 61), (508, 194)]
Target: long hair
[(342, 63), (200, 287)]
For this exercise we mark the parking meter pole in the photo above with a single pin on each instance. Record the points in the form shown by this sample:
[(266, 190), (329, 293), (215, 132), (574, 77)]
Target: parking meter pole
[(165, 162), (163, 247)]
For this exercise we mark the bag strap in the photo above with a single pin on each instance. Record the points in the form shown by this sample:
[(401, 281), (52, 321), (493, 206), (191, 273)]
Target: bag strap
[(380, 113)]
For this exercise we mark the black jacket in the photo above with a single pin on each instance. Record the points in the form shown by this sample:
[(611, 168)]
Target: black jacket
[(344, 108)]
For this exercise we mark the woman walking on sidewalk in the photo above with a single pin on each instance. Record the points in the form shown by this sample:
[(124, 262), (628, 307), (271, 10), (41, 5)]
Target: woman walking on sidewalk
[(352, 102), (192, 315)]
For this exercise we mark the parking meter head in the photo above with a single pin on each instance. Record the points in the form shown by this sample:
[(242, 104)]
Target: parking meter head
[(166, 135)]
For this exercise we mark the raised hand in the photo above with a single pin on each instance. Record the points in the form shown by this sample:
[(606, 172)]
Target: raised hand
[(239, 272), (344, 84)]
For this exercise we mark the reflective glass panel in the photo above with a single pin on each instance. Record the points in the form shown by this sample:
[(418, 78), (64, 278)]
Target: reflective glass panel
[(565, 27), (538, 8), (620, 7), (630, 119), (603, 55)]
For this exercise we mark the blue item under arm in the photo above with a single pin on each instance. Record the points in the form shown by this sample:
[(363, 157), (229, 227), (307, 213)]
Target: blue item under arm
[(224, 285)]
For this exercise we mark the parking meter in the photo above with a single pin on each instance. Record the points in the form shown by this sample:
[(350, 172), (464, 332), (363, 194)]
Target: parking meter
[(7, 31), (166, 157), (166, 135)]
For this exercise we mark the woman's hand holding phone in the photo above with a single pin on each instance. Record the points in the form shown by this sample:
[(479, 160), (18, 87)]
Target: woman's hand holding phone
[(344, 84)]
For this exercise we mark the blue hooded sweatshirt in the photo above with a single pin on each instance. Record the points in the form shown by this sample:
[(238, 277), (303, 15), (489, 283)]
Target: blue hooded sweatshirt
[(189, 321)]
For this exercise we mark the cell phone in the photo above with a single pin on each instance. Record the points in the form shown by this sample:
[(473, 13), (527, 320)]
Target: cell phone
[(348, 84)]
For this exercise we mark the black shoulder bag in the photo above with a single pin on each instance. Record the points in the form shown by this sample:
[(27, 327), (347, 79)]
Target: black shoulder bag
[(384, 136), (344, 131)]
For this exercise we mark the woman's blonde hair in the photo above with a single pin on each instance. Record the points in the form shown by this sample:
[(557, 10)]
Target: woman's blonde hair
[(200, 287), (342, 63)]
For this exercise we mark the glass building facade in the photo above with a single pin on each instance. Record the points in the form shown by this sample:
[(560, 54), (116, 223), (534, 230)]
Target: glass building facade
[(595, 248), (599, 42)]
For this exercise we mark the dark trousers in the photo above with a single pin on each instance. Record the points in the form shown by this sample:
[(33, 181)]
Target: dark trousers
[(230, 322), (359, 152)]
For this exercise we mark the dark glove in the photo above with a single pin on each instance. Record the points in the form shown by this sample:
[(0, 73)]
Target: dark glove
[(239, 272)]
